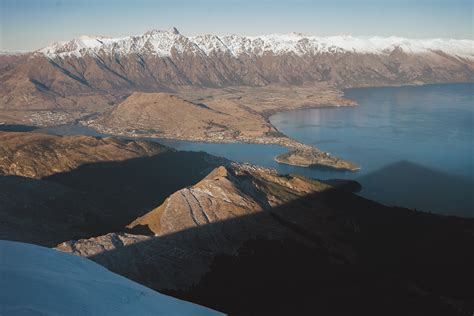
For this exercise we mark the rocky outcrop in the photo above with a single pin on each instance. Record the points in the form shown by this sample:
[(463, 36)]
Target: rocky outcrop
[(215, 216), (224, 194), (96, 245), (219, 196)]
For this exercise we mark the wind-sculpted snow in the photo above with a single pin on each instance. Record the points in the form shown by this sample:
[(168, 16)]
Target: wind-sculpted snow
[(165, 43)]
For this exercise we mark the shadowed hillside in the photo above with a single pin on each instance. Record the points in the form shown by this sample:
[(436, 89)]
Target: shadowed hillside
[(243, 239), (127, 189), (326, 251), (44, 212), (94, 199), (351, 256), (52, 202)]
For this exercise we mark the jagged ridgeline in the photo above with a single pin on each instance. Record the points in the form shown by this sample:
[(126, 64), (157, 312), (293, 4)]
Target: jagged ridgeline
[(95, 70)]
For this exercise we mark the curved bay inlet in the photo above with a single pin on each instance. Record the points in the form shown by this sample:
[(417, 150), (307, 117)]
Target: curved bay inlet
[(414, 144)]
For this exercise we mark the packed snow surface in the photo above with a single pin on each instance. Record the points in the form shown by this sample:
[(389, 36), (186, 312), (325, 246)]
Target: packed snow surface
[(40, 281), (165, 43)]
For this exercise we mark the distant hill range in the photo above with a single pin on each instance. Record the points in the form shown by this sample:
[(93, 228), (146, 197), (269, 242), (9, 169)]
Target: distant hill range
[(90, 72)]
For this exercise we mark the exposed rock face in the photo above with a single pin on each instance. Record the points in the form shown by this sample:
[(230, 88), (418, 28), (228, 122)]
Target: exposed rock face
[(91, 72), (38, 155), (217, 197), (225, 194), (93, 246)]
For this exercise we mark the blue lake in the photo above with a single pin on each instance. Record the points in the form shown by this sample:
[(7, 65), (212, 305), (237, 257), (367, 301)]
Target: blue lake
[(414, 144)]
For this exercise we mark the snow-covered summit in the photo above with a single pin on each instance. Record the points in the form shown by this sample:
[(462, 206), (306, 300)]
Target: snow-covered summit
[(42, 281), (164, 42)]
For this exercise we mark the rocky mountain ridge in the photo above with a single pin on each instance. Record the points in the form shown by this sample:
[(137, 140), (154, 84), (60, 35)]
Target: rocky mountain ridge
[(92, 73), (164, 43), (229, 206)]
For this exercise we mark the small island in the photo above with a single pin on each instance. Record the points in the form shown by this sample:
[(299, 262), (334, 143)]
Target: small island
[(312, 157)]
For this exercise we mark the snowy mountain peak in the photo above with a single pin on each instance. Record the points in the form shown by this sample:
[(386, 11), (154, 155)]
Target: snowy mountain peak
[(163, 42), (157, 32), (173, 30)]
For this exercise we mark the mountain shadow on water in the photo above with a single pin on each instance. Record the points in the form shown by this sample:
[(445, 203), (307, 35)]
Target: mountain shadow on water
[(407, 183)]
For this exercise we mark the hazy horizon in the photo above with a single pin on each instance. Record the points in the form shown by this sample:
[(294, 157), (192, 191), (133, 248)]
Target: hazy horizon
[(31, 24)]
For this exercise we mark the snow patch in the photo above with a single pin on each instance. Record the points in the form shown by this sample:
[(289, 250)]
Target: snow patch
[(42, 281)]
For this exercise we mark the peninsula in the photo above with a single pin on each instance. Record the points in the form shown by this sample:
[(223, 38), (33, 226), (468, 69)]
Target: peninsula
[(214, 88)]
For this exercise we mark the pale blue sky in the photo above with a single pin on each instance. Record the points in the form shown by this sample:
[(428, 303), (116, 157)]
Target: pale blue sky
[(32, 24)]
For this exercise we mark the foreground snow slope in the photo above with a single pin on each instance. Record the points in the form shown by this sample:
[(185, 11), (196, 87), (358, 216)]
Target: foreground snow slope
[(40, 281)]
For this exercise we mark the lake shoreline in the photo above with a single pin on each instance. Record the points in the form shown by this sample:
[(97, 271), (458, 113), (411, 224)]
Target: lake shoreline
[(376, 173)]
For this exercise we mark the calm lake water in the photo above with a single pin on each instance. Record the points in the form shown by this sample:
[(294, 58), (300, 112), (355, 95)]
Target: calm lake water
[(414, 144)]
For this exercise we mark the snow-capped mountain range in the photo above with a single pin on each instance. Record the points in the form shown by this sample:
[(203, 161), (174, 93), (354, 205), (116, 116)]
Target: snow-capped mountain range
[(92, 71), (162, 43)]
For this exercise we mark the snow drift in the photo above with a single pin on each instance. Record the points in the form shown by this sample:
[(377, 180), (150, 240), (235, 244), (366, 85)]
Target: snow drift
[(41, 281)]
